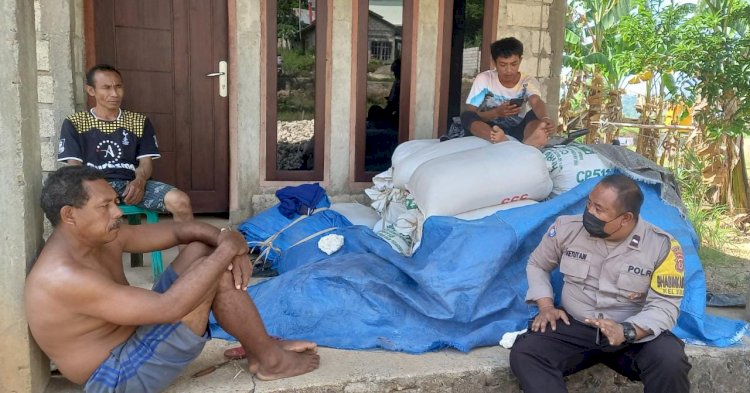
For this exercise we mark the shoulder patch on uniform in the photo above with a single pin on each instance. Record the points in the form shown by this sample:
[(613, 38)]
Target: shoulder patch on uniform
[(552, 231), (669, 277), (635, 241)]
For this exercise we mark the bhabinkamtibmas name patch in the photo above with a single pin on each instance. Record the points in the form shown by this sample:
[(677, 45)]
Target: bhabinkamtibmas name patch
[(669, 277)]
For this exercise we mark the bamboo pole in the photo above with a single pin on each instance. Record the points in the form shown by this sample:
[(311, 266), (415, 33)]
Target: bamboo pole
[(646, 126)]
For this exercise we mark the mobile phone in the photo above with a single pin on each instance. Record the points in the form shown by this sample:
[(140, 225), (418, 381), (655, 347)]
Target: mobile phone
[(517, 101)]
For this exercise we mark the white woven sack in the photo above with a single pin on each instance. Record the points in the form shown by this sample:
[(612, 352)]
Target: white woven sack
[(398, 205), (573, 164), (401, 225), (403, 168), (490, 175), (357, 213), (488, 211), (409, 148)]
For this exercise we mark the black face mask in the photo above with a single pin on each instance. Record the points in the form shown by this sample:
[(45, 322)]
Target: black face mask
[(595, 226)]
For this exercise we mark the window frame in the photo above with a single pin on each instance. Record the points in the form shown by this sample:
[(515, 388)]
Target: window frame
[(272, 173), (362, 51)]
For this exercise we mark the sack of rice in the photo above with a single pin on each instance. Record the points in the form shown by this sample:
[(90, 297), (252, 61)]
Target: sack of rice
[(409, 148), (403, 168), (472, 179), (488, 211), (573, 164)]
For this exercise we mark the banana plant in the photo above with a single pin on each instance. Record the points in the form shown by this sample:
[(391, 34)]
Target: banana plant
[(714, 54), (592, 44), (649, 34)]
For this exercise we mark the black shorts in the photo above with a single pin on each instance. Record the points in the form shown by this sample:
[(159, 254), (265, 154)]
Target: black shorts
[(516, 131)]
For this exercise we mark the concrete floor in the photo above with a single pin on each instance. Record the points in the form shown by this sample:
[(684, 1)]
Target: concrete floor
[(347, 371)]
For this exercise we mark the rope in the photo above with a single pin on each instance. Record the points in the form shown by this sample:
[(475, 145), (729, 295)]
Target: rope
[(268, 243), (314, 235)]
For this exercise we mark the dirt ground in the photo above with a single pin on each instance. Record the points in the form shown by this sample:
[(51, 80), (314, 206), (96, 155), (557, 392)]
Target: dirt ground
[(728, 270)]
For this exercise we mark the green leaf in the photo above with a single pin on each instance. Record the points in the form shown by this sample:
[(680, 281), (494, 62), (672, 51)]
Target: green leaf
[(668, 81), (596, 58), (571, 37)]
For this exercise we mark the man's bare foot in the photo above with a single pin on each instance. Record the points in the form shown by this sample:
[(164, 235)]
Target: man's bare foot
[(289, 345), (284, 364), (497, 135), (538, 137)]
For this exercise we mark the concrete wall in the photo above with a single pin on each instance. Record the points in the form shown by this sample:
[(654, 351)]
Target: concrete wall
[(539, 24), (425, 84), (246, 121), (339, 156), (23, 368), (54, 21), (59, 32)]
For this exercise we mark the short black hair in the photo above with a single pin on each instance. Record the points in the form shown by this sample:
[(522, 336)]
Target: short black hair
[(99, 67), (64, 187), (506, 47), (629, 195)]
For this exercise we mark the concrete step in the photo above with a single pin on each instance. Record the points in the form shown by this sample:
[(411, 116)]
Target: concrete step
[(482, 370)]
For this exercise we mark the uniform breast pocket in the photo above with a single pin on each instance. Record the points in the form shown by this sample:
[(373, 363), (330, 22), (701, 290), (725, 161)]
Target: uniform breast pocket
[(632, 287), (575, 270)]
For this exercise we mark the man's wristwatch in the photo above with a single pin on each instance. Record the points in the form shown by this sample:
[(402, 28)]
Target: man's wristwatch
[(628, 330)]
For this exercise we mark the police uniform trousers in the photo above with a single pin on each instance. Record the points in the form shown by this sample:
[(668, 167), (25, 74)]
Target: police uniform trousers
[(541, 360)]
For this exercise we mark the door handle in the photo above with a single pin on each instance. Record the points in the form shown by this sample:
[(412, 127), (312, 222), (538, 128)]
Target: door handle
[(222, 74)]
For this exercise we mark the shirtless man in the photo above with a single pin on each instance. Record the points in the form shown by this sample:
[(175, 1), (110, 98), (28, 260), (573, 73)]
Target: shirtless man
[(112, 337)]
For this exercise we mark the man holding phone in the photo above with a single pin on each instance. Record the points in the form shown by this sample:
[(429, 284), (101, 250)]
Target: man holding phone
[(505, 102)]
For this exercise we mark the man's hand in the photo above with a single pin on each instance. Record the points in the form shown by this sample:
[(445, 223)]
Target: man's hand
[(134, 191), (240, 267), (611, 329), (550, 315), (507, 109), (242, 270)]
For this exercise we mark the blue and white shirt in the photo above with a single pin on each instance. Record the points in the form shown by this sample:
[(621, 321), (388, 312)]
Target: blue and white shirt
[(487, 92)]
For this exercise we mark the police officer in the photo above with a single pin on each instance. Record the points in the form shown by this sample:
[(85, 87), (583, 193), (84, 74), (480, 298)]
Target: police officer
[(623, 283)]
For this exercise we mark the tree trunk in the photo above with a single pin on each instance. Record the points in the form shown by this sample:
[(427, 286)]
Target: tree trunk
[(740, 186), (613, 113), (595, 100)]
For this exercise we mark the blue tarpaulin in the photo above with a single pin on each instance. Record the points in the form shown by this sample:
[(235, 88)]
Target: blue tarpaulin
[(463, 288), (271, 231)]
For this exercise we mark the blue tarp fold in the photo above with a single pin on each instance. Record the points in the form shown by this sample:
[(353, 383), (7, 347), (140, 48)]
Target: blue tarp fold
[(271, 231), (463, 288)]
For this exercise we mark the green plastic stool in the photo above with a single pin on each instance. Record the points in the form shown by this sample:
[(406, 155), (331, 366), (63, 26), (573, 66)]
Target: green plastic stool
[(134, 214)]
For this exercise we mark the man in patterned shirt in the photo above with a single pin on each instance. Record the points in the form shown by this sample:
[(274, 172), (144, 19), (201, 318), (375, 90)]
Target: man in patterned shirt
[(507, 102), (120, 143)]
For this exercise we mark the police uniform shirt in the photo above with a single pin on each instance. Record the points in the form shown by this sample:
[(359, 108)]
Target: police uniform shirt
[(113, 147), (639, 280)]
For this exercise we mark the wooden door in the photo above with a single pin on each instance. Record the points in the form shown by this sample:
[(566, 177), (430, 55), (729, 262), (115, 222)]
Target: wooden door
[(164, 49)]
